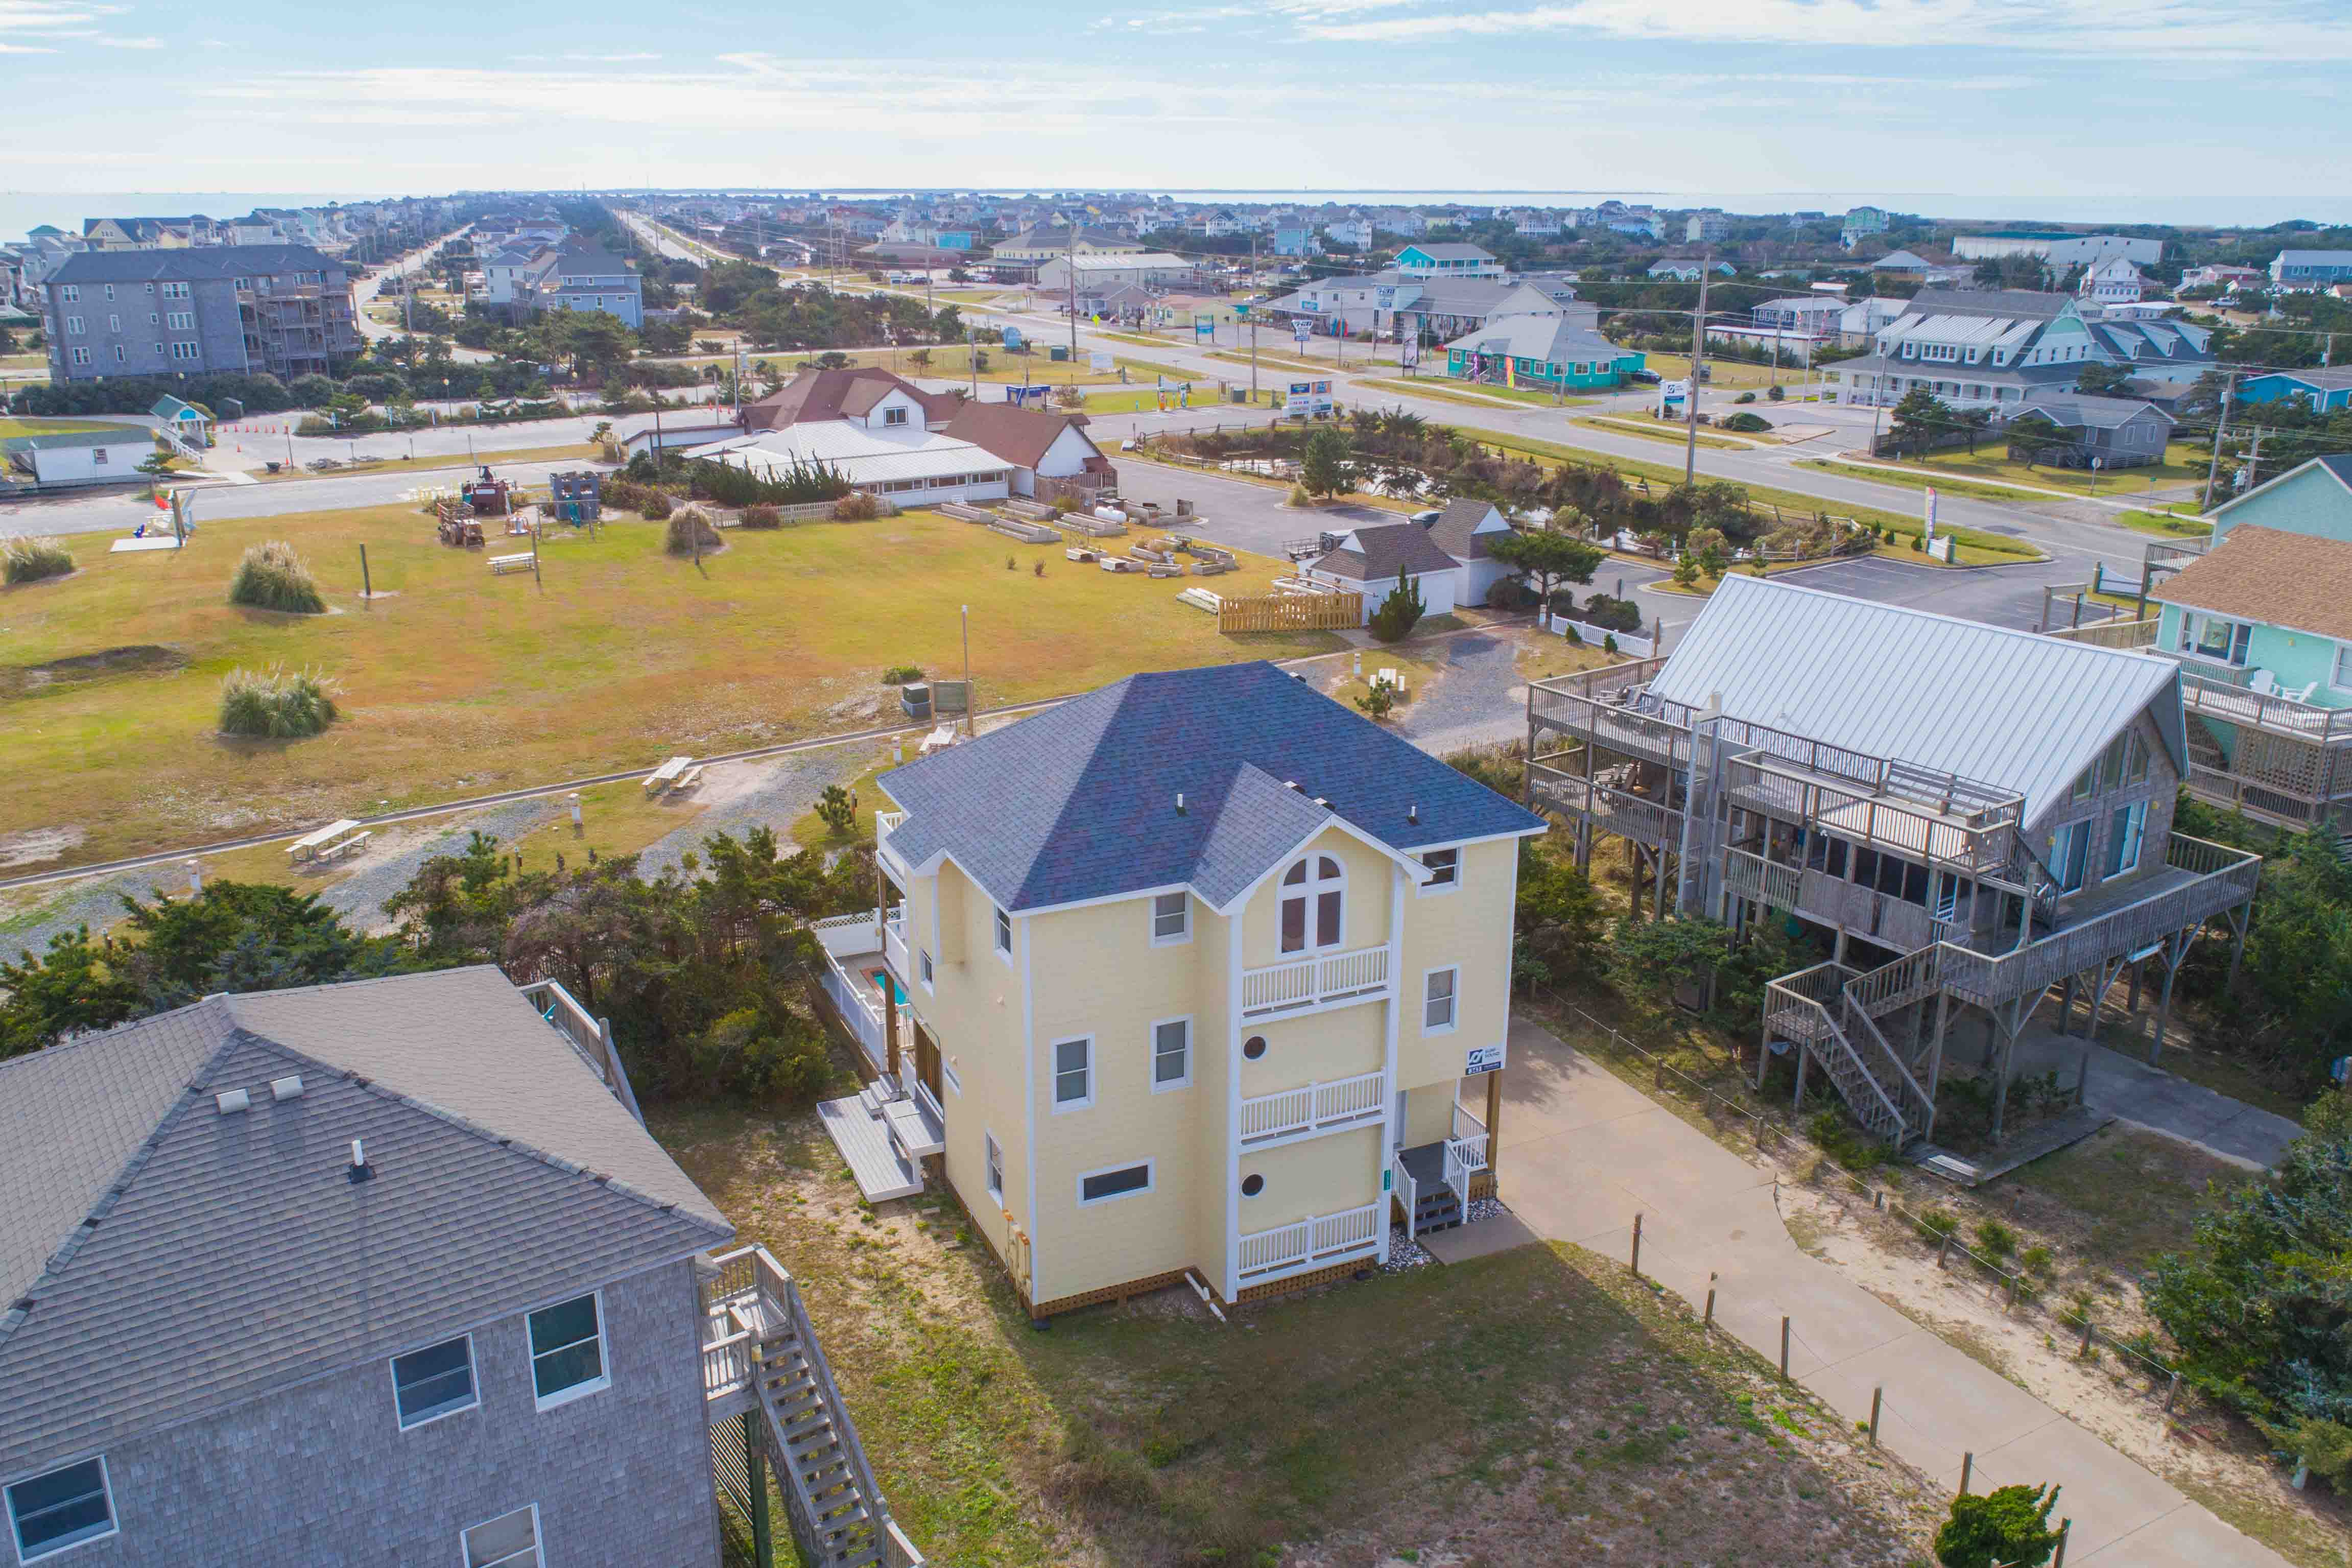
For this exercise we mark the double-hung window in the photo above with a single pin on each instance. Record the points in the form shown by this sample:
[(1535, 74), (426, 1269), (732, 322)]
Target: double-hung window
[(567, 1352), (509, 1540), (1444, 868), (1074, 1076), (2215, 637), (434, 1381), (1172, 1053), (1437, 1014), (62, 1509), (2341, 675), (1172, 919), (996, 1167), (1005, 933)]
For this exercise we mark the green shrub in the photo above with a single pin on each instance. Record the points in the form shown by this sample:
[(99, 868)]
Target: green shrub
[(654, 508), (1995, 1240), (838, 809), (271, 577), (856, 507), (1940, 1223), (690, 533), (1748, 423), (763, 516), (1400, 612), (900, 674), (30, 559), (1997, 1528), (275, 703)]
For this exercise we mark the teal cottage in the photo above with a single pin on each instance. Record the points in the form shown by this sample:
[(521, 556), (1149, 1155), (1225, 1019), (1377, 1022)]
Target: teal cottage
[(1545, 351)]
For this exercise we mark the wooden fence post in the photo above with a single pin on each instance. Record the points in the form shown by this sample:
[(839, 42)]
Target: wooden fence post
[(1877, 1398), (1784, 1347), (1637, 1247), (1709, 1321), (1968, 1468)]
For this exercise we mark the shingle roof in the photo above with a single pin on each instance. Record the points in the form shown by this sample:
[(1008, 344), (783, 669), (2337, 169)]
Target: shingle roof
[(58, 440), (505, 1174), (1079, 801), (1548, 340), (193, 265), (2093, 413), (1377, 554), (2020, 304), (1453, 531), (2004, 708), (1017, 435), (815, 394), (2266, 574), (2324, 378), (1453, 252)]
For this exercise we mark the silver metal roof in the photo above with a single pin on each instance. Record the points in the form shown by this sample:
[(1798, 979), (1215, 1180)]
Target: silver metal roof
[(2006, 707)]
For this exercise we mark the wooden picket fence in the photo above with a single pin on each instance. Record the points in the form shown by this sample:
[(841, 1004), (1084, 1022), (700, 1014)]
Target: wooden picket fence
[(1291, 613)]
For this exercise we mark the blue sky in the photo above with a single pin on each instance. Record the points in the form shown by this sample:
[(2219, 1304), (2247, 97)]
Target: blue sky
[(2097, 109)]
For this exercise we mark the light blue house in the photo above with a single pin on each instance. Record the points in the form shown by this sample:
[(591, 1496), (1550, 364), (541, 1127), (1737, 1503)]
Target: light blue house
[(1547, 351), (1424, 262), (2327, 390), (2261, 628)]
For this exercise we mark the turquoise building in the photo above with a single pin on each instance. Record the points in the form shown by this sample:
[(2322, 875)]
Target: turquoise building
[(1545, 351), (2261, 624)]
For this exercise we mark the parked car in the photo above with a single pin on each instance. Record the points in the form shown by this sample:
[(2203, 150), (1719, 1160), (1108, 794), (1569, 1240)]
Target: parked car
[(1643, 377)]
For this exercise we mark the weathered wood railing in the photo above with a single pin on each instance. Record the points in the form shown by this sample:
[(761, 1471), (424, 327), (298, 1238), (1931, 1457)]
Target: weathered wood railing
[(591, 1036)]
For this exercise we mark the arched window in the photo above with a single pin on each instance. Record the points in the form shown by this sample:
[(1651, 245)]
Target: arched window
[(1316, 885)]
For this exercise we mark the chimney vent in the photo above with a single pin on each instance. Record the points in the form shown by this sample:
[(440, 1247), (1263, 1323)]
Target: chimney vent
[(1179, 803), (1412, 813), (232, 1100), (361, 1170), (286, 1088)]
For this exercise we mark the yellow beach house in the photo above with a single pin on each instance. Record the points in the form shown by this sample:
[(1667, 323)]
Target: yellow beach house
[(1201, 976)]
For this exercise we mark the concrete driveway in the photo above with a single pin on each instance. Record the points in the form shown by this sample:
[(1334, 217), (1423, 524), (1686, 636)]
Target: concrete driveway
[(1584, 1152)]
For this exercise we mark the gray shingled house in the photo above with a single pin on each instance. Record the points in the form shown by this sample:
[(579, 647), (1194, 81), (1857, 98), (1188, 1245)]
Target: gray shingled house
[(383, 1272)]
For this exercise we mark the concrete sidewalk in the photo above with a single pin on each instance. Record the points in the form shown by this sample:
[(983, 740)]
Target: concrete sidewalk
[(1584, 1152)]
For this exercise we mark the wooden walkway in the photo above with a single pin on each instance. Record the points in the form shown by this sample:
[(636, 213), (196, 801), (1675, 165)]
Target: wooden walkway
[(865, 1143)]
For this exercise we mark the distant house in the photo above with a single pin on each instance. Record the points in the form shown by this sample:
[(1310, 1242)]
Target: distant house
[(403, 1256), (2223, 277), (1798, 315), (1369, 560), (2313, 498), (1141, 269), (580, 276), (1432, 262), (1709, 226), (1036, 246), (866, 396), (2115, 281), (2108, 432), (1466, 529), (1996, 347), (1688, 271), (1296, 240), (2326, 390), (1355, 231), (1860, 223), (884, 436), (1912, 265), (2304, 271), (1550, 352)]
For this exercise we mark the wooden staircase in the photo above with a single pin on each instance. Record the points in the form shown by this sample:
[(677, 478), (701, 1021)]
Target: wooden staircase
[(760, 1351)]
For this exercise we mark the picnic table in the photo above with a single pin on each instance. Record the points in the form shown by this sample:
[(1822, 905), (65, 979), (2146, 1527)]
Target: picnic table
[(339, 838), (678, 773)]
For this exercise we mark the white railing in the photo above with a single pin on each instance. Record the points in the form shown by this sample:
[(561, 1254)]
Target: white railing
[(844, 934), (1467, 1122), (860, 1011), (1408, 1191), (894, 945), (1317, 982), (929, 1103), (1323, 1107), (1463, 1157), (1317, 1241), (1599, 636), (885, 822)]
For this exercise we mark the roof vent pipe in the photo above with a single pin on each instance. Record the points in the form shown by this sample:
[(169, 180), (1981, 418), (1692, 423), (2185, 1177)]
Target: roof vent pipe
[(1179, 803), (1412, 813), (361, 1170)]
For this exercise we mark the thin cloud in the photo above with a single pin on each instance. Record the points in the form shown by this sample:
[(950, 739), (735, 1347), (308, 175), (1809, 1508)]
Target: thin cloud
[(25, 49), (130, 43)]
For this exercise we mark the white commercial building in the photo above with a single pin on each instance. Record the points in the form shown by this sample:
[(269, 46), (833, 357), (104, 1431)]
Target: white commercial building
[(909, 466)]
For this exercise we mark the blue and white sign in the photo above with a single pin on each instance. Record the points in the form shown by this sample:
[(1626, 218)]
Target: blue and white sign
[(1204, 326), (1483, 1059), (1012, 339), (1302, 328)]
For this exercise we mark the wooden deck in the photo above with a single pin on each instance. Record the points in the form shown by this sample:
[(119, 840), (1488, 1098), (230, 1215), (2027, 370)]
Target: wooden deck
[(857, 1130)]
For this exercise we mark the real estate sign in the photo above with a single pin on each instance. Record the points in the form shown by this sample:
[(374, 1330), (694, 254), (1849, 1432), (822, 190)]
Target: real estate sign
[(1307, 399)]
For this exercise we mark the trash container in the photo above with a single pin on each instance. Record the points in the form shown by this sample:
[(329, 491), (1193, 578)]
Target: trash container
[(915, 697)]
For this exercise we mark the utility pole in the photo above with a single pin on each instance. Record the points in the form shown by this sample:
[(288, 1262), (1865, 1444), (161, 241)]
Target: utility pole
[(1252, 284), (2214, 467), (968, 730), (1071, 261), (1698, 351)]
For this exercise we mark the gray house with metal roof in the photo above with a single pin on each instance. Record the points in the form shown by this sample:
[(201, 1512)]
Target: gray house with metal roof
[(1963, 816)]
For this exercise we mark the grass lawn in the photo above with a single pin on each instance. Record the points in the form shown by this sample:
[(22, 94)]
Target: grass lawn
[(2170, 525), (1268, 358), (1720, 373), (1663, 430), (1474, 395), (1500, 1407), (953, 362), (2182, 465), (464, 683), (2140, 1192), (1975, 548), (1146, 400)]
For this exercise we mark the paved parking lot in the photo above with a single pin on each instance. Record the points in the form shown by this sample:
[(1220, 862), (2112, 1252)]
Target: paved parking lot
[(2001, 596)]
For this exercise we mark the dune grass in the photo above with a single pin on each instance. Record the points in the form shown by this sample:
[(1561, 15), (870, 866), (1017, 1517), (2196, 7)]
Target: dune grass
[(459, 683), (272, 577), (29, 559)]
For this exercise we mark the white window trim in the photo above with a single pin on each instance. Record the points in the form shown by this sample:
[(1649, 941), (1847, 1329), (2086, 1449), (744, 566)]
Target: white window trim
[(923, 967), (1429, 890), (991, 1172), (473, 1378), (2135, 823), (1151, 1183), (538, 1542), (2335, 671), (1427, 976), (1000, 936), (1054, 1072), (1152, 1040), (1152, 919), (114, 1518), (597, 1384)]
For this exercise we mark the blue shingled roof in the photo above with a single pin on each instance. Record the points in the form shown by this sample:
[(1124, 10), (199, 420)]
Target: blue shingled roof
[(1079, 802)]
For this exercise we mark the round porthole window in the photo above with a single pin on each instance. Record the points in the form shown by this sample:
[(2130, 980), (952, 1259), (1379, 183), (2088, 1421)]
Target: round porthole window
[(1254, 1046), (1252, 1185)]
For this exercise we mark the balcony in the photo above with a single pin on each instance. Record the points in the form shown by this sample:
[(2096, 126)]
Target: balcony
[(1312, 984), (1314, 1110), (885, 823), (1319, 1241)]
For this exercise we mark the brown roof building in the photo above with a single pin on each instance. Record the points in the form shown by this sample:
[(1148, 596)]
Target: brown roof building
[(2271, 577), (815, 394), (1020, 436)]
